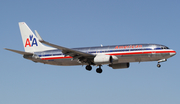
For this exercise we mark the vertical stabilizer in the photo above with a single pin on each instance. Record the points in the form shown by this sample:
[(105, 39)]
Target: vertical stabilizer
[(30, 41)]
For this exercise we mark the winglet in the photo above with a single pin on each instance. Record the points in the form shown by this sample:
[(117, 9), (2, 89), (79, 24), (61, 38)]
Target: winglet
[(38, 36)]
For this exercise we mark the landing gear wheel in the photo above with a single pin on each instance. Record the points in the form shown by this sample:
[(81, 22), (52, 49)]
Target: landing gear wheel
[(88, 67), (158, 65), (99, 70)]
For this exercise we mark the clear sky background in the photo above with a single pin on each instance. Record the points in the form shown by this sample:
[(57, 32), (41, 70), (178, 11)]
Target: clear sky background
[(82, 23)]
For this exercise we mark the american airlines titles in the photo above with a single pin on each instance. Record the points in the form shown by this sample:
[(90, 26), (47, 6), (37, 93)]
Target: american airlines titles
[(130, 46)]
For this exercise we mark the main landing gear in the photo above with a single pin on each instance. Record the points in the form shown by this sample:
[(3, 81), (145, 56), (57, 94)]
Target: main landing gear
[(98, 70), (88, 67)]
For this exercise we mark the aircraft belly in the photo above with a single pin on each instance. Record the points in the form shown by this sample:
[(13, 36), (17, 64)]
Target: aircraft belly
[(60, 62), (121, 59), (66, 62), (142, 57)]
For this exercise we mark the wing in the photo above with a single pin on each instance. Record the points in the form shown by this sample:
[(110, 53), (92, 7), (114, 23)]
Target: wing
[(86, 57)]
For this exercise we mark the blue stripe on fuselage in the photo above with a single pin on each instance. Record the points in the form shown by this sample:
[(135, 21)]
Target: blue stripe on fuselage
[(58, 52)]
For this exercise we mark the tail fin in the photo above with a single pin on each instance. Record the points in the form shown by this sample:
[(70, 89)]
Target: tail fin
[(30, 41)]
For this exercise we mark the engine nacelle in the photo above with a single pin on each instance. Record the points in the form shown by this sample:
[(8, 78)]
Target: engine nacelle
[(120, 65), (105, 59)]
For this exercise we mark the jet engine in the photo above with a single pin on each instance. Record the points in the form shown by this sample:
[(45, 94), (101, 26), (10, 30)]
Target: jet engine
[(120, 65), (105, 59)]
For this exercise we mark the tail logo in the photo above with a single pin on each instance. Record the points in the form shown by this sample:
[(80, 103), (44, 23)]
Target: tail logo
[(31, 41)]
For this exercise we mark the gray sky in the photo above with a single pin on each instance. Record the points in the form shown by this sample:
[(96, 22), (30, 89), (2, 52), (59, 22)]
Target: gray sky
[(83, 23)]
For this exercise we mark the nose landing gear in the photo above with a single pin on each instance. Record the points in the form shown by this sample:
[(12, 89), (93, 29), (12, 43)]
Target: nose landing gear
[(162, 60), (158, 65)]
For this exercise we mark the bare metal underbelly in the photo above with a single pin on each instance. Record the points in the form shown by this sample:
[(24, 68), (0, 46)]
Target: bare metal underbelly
[(121, 59), (142, 57)]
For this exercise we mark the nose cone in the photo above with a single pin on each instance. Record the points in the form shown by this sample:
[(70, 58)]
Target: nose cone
[(173, 53)]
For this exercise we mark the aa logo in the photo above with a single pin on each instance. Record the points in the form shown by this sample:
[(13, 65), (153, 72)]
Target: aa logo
[(31, 41)]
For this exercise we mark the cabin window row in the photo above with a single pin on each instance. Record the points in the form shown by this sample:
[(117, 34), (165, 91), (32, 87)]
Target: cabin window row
[(124, 50)]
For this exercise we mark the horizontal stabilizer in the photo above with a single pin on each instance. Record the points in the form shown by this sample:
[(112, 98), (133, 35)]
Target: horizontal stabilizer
[(19, 52)]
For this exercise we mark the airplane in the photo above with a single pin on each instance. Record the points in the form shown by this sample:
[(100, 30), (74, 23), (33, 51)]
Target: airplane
[(115, 56)]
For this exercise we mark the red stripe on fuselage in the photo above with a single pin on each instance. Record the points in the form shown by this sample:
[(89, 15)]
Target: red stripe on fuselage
[(127, 53), (51, 58), (142, 52)]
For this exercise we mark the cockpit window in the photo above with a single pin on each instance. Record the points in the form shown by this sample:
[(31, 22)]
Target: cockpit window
[(164, 48)]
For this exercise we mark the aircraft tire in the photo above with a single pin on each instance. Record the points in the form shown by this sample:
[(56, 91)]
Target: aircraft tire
[(99, 70), (158, 65), (88, 67)]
